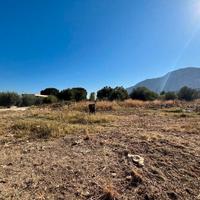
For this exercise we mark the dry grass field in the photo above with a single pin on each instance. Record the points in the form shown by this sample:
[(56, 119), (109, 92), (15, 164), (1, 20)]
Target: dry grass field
[(128, 151)]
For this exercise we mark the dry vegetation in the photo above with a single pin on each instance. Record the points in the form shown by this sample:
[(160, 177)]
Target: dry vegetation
[(62, 152)]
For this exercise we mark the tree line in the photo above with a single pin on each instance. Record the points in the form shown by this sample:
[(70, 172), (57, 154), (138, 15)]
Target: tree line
[(53, 95)]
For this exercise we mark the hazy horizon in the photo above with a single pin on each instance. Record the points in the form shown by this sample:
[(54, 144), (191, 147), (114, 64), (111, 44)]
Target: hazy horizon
[(95, 43)]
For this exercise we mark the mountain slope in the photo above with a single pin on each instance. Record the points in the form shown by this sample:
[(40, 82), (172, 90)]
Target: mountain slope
[(172, 81)]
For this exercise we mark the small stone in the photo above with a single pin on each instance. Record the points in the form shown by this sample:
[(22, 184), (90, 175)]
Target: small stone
[(86, 194), (114, 174), (137, 159), (129, 178)]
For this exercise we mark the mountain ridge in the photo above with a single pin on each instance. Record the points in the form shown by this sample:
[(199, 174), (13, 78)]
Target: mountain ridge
[(172, 81)]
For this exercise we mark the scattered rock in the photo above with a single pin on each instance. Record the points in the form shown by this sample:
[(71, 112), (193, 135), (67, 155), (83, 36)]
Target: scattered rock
[(113, 174), (138, 160), (129, 178), (172, 195), (86, 194)]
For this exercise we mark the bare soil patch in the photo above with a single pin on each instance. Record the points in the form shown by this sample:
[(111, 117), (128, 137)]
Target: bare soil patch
[(87, 157)]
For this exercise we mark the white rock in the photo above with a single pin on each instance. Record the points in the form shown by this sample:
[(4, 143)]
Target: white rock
[(137, 159)]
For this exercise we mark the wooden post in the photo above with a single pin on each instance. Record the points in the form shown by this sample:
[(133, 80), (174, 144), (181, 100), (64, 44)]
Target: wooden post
[(92, 108)]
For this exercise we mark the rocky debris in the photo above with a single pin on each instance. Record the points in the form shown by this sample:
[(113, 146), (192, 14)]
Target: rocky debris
[(138, 160), (172, 195)]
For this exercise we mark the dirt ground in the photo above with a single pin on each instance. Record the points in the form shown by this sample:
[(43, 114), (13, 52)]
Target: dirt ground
[(97, 165)]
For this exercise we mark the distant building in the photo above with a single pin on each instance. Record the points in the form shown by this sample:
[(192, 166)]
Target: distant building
[(40, 95)]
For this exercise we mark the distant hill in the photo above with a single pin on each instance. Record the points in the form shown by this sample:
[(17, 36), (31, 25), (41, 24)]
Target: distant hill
[(172, 81)]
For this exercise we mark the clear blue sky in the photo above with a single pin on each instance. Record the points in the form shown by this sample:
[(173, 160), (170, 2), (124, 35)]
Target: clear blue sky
[(93, 43)]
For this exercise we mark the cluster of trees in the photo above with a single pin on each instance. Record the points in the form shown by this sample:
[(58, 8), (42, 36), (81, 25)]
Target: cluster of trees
[(8, 99), (143, 93), (70, 94), (108, 93), (185, 93), (53, 95)]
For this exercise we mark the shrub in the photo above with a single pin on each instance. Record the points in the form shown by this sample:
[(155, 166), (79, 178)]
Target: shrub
[(187, 94), (50, 91), (92, 96), (143, 93), (39, 101), (28, 100), (8, 99), (162, 93), (170, 96), (50, 99), (118, 93), (66, 95), (79, 94), (104, 93)]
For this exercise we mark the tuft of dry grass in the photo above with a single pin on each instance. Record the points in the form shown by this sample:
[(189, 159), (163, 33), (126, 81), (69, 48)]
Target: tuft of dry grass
[(46, 124), (129, 103), (109, 193)]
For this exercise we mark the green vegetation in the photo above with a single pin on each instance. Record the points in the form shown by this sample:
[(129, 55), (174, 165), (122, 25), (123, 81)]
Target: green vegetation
[(53, 95), (170, 96), (50, 99), (104, 93), (111, 94), (119, 94), (8, 99), (50, 91), (92, 96), (187, 94), (143, 93)]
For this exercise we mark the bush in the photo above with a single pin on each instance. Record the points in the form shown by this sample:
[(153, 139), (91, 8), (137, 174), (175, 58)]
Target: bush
[(143, 93), (65, 95), (162, 93), (50, 91), (50, 99), (28, 100), (187, 94), (79, 94), (9, 99), (92, 96), (170, 96), (104, 93), (39, 101), (119, 94)]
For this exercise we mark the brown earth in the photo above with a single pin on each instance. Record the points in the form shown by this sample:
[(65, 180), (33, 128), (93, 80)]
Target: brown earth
[(94, 164)]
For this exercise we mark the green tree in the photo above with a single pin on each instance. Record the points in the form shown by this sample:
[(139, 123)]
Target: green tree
[(66, 95), (187, 94), (143, 93), (50, 99), (92, 96), (79, 94), (28, 100), (170, 96), (104, 93), (118, 93), (8, 99), (162, 93), (50, 91)]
